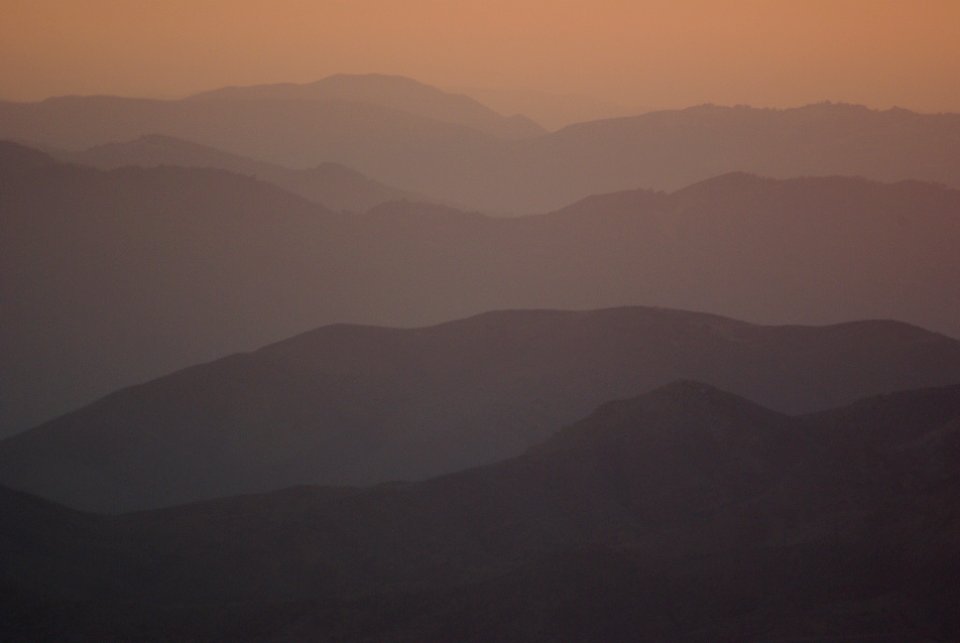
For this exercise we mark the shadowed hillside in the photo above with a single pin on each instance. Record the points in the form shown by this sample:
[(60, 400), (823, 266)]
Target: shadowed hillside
[(684, 514), (329, 184), (357, 405), (453, 162), (112, 278)]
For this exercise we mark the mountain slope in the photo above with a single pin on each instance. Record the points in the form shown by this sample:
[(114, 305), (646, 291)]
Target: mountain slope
[(378, 141), (683, 514), (329, 184), (663, 150), (108, 278), (395, 92), (670, 149), (113, 278), (355, 405)]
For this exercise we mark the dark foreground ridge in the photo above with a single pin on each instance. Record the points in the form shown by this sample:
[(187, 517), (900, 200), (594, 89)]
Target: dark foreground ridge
[(357, 405), (686, 514)]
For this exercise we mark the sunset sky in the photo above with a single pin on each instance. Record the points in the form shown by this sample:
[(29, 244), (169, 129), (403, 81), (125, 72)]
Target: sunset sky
[(650, 53)]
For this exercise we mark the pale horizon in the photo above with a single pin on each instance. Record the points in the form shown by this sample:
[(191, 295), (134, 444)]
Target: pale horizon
[(626, 56)]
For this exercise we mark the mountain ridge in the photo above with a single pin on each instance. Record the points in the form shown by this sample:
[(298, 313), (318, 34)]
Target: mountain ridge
[(674, 516), (332, 185), (193, 250), (350, 405), (394, 91), (664, 150)]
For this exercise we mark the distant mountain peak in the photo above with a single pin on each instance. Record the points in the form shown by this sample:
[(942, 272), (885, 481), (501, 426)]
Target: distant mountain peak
[(393, 92), (823, 106)]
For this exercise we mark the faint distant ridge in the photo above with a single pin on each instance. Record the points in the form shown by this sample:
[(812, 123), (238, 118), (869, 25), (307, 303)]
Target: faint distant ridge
[(423, 140), (213, 263), (825, 107), (552, 110), (396, 92), (330, 184), (670, 149)]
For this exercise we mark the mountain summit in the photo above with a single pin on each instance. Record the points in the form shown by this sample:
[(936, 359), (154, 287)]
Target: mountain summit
[(396, 92)]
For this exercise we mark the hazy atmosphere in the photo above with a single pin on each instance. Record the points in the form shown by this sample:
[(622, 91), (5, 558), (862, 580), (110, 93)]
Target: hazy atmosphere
[(437, 321), (635, 55)]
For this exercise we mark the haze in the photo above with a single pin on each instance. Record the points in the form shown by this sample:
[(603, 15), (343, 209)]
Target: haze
[(636, 55), (495, 320)]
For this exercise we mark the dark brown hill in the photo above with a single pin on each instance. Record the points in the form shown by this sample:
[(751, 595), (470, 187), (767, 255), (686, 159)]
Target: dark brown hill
[(685, 514), (113, 278), (357, 405)]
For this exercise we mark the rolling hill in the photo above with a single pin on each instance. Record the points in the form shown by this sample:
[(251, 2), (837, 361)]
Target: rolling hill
[(456, 163), (110, 278), (395, 92), (358, 405), (329, 184), (683, 514)]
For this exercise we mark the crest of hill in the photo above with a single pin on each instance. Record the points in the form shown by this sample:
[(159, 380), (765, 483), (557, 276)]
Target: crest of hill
[(354, 405), (396, 92), (214, 247), (686, 487), (458, 163), (330, 184), (741, 194)]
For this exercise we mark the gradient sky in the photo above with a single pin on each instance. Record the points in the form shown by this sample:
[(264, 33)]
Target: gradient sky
[(653, 53)]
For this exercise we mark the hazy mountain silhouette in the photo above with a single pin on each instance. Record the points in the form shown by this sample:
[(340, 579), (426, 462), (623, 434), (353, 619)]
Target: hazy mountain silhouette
[(103, 274), (111, 278), (670, 149), (683, 514), (358, 405), (329, 184), (380, 142), (552, 110), (395, 92), (460, 164)]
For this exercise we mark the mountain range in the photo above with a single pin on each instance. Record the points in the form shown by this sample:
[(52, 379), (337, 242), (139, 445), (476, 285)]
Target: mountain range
[(110, 278), (364, 359), (684, 514), (453, 149), (330, 184), (357, 405), (395, 92)]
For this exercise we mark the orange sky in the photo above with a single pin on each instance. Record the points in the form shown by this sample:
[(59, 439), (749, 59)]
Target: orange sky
[(650, 53)]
